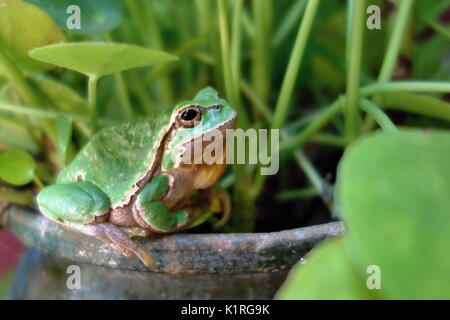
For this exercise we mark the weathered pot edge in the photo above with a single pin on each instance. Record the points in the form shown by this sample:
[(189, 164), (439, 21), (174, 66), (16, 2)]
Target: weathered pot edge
[(177, 253)]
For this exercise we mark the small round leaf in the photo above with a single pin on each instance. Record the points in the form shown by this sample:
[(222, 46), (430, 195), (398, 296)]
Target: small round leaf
[(17, 167), (100, 58)]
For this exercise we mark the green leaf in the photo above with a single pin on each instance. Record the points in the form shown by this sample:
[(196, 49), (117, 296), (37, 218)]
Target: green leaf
[(100, 58), (17, 167), (95, 16), (24, 27), (327, 274), (394, 195), (64, 128)]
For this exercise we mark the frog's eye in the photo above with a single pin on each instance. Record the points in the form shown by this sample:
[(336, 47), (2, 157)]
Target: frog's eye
[(189, 116)]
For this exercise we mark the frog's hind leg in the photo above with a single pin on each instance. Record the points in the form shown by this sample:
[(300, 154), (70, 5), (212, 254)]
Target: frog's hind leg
[(84, 207), (74, 202), (113, 235)]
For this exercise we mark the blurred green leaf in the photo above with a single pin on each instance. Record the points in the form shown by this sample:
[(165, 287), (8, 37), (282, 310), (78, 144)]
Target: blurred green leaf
[(17, 167), (24, 27), (62, 97), (95, 16), (15, 134), (429, 58), (327, 274), (64, 128), (394, 195), (98, 59)]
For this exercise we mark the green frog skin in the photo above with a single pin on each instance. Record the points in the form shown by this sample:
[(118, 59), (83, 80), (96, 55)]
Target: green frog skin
[(130, 180)]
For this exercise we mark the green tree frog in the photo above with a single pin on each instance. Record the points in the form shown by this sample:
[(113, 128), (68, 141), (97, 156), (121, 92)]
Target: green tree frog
[(129, 180)]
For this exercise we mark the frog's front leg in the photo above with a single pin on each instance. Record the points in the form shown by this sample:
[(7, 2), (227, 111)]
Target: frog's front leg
[(84, 207), (149, 210)]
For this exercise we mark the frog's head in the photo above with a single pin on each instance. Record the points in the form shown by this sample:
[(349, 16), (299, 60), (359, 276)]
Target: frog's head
[(206, 115)]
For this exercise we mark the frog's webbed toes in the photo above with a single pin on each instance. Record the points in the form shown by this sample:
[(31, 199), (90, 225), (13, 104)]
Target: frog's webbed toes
[(220, 201), (118, 238), (114, 236)]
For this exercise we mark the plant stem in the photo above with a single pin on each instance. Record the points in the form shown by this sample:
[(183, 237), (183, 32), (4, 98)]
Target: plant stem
[(25, 110), (290, 76), (256, 101), (261, 47), (236, 44), (411, 86), (318, 123), (289, 22), (393, 49), (329, 139), (153, 38), (353, 70), (321, 120), (127, 111), (310, 171), (92, 100), (348, 31), (380, 117), (125, 105), (230, 87), (418, 104), (46, 114), (439, 28), (295, 194), (38, 182)]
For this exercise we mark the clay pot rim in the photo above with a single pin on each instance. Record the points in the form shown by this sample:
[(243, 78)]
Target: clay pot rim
[(177, 253)]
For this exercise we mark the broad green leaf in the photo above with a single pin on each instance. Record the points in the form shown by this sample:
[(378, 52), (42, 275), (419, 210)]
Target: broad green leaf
[(100, 58), (95, 16), (24, 27), (327, 274), (64, 128), (17, 167), (394, 195)]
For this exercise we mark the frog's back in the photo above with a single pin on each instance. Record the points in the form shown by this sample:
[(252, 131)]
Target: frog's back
[(117, 157)]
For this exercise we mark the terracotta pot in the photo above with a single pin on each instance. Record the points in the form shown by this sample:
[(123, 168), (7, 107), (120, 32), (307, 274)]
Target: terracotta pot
[(188, 266)]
